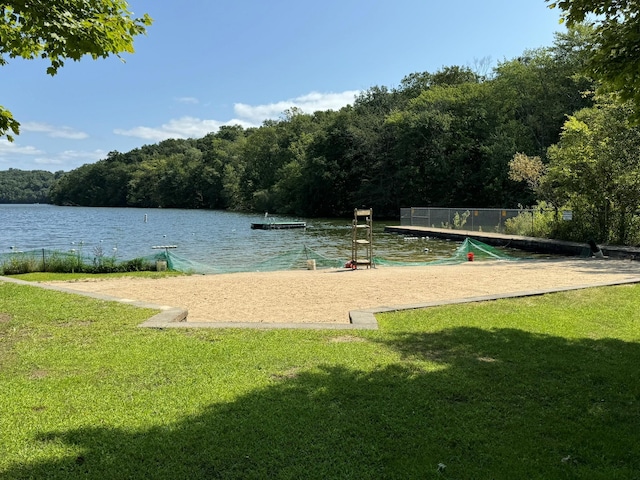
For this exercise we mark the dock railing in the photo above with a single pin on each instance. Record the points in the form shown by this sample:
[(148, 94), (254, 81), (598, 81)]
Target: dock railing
[(472, 219)]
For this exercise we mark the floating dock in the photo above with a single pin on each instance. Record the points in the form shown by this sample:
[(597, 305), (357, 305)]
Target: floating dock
[(278, 225)]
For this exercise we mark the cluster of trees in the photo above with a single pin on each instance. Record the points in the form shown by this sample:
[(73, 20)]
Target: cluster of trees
[(595, 170), (443, 138), (20, 186)]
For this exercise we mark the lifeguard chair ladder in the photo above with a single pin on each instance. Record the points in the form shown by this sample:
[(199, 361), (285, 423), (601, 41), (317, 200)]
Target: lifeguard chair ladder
[(362, 237)]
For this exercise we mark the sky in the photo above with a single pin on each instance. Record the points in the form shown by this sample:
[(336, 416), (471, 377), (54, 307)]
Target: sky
[(207, 63)]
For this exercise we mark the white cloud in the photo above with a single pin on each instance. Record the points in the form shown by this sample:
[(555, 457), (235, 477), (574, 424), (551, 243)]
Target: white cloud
[(53, 131), (189, 100), (312, 102), (247, 116), (12, 148), (35, 159), (71, 158), (185, 127)]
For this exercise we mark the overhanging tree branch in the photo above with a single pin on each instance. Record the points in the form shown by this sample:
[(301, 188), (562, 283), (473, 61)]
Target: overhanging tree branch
[(64, 30)]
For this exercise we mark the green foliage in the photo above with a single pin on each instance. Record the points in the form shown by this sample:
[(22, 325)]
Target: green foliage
[(595, 169), (541, 221), (488, 390), (537, 90), (20, 186), (525, 168), (613, 46), (60, 31), (18, 264), (72, 277), (8, 124), (69, 262)]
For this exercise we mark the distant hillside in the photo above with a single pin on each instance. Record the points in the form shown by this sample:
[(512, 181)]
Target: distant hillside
[(22, 186)]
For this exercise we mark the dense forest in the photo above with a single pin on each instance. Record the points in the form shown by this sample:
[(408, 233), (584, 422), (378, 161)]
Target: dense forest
[(442, 139), (20, 186)]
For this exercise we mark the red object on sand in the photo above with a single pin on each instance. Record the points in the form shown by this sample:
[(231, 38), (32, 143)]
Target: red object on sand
[(470, 256)]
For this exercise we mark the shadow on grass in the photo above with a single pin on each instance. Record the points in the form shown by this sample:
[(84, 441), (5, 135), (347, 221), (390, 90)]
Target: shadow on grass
[(487, 404)]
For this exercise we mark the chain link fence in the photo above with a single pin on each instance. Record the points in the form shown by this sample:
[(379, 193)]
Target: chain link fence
[(472, 219)]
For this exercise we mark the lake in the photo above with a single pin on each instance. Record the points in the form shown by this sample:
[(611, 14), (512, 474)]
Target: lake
[(210, 237)]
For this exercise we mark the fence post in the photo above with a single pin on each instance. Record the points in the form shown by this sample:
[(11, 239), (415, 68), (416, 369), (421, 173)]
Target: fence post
[(533, 225)]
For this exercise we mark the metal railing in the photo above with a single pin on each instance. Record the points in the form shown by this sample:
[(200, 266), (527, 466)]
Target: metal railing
[(472, 219)]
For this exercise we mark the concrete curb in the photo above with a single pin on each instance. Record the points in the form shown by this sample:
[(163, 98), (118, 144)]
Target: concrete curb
[(173, 317), (367, 316)]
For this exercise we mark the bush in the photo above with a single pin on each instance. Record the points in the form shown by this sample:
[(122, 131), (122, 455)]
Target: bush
[(543, 223), (63, 262), (17, 264)]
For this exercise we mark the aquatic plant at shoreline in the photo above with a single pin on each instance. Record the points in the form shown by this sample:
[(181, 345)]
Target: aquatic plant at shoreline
[(69, 262)]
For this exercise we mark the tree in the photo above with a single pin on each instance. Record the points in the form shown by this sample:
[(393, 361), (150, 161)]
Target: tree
[(64, 30), (614, 45), (596, 169), (537, 90), (523, 168)]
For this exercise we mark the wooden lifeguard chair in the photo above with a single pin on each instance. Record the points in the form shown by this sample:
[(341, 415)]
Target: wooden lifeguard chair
[(362, 238)]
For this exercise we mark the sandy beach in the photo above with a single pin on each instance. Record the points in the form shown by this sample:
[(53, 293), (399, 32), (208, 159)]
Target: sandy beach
[(327, 296)]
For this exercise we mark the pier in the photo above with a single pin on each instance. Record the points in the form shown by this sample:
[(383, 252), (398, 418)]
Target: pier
[(530, 244)]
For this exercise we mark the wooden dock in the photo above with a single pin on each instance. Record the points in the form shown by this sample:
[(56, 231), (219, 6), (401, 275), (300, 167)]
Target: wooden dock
[(278, 225)]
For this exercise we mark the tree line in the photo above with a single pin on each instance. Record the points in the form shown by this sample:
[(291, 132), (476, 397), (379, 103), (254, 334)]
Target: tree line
[(21, 186), (443, 138)]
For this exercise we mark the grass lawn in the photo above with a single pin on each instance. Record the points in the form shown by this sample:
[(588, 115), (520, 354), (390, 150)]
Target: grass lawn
[(68, 277), (544, 387)]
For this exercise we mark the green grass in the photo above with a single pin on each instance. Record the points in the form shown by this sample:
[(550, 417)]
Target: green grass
[(542, 387), (65, 277)]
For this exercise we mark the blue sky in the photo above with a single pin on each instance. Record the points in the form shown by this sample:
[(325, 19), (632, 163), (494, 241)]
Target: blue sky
[(206, 63)]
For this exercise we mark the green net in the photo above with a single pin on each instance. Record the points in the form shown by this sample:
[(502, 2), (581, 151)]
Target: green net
[(469, 250), (292, 260), (58, 261), (303, 258)]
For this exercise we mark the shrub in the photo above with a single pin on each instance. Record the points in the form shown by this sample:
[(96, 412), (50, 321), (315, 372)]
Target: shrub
[(18, 263), (539, 222), (63, 262)]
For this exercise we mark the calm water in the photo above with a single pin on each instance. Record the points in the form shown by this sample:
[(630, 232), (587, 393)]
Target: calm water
[(205, 236)]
